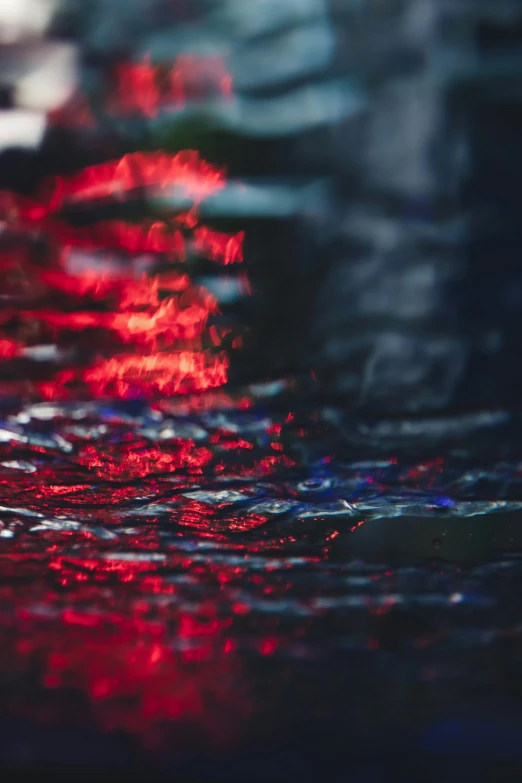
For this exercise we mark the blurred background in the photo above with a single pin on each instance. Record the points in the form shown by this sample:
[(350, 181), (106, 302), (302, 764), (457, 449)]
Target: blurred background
[(372, 168), (260, 318), (372, 172)]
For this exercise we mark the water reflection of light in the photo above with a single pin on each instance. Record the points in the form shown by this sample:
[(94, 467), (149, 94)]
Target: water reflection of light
[(145, 87), (118, 294)]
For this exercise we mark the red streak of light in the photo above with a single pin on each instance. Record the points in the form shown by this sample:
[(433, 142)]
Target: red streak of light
[(143, 292), (60, 489), (232, 445), (124, 374), (144, 88), (157, 237), (225, 248), (113, 179), (168, 321), (182, 318), (167, 373), (87, 284)]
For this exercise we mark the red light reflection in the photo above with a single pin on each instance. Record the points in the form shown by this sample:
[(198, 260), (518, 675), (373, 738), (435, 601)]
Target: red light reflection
[(225, 248), (183, 372), (161, 317), (145, 88), (185, 170), (106, 622)]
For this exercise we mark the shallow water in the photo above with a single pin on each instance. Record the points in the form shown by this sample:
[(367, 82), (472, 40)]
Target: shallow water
[(229, 585)]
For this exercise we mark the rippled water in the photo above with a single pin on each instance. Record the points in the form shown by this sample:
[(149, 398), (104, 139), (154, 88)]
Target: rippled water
[(210, 582)]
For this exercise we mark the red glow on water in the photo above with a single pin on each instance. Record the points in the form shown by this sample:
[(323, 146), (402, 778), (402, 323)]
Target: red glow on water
[(60, 489), (145, 461), (268, 464), (128, 674), (128, 605)]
